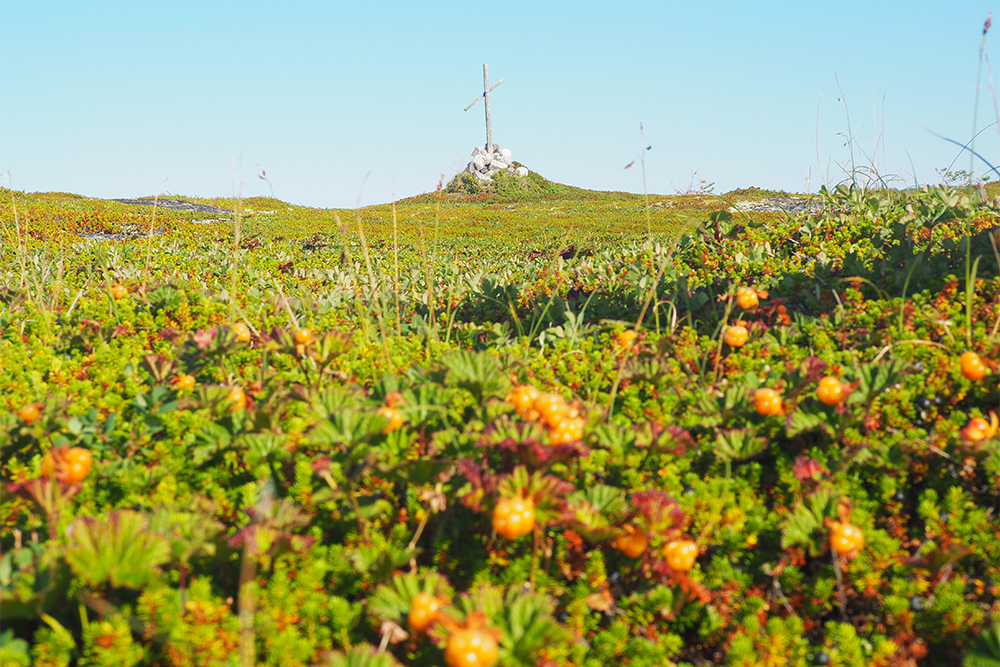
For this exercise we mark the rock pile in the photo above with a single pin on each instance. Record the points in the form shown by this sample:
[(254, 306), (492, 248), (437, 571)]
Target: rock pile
[(790, 205), (484, 164)]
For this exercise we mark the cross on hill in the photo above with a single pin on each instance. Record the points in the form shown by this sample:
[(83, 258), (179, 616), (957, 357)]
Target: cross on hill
[(486, 95)]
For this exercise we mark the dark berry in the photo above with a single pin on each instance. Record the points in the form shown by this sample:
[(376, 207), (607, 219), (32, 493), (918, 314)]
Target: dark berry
[(918, 367), (899, 496), (712, 550), (917, 603), (599, 474), (402, 493), (821, 658), (938, 401), (615, 578), (923, 403), (562, 617), (943, 516), (687, 491)]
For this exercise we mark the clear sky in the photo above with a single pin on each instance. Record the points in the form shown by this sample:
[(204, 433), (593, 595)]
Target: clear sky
[(124, 99)]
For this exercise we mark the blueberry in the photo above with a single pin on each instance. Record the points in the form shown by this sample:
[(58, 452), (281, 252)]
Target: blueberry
[(923, 403), (821, 658), (917, 603), (562, 617), (918, 367), (402, 493), (938, 401), (687, 491), (615, 578), (599, 474), (899, 496), (712, 550), (943, 516)]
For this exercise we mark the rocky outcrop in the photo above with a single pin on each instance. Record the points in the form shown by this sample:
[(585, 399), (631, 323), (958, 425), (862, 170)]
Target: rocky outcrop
[(486, 163)]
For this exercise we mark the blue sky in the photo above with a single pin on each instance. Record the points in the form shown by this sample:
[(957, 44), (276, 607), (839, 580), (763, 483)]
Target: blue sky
[(120, 99)]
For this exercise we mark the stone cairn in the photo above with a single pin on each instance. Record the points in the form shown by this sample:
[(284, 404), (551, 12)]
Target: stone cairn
[(484, 164)]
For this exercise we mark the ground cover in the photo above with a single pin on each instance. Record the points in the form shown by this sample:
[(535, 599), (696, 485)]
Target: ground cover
[(535, 426)]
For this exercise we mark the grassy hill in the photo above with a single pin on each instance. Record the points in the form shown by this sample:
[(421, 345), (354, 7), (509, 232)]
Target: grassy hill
[(594, 428)]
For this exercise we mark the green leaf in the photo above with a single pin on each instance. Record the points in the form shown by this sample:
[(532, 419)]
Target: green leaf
[(737, 444), (392, 601), (805, 418), (417, 473), (476, 372), (597, 511), (13, 651), (361, 656), (190, 533), (120, 551), (262, 447), (806, 518), (986, 651)]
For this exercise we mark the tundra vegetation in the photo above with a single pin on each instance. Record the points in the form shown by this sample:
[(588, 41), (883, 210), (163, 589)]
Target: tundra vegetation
[(530, 425)]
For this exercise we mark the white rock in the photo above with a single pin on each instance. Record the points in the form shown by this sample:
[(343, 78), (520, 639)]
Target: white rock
[(521, 171), (482, 177), (478, 150), (506, 154), (480, 160), (510, 170)]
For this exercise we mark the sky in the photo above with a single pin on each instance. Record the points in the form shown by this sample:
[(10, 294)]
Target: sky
[(357, 103)]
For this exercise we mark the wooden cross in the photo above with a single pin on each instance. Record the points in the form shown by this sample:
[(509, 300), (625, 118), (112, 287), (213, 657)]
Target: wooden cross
[(486, 94)]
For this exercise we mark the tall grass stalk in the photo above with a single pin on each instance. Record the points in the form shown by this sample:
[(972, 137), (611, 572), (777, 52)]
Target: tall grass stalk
[(20, 240), (850, 134), (975, 105), (376, 293), (237, 221), (149, 237), (609, 410), (970, 290), (906, 285)]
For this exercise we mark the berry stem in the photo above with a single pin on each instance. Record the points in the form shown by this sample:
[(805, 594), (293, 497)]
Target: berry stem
[(840, 584)]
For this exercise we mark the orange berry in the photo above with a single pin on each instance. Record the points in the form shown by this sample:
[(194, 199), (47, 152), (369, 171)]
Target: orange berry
[(303, 336), (551, 407), (631, 541), (979, 429), (67, 464), (522, 398), (746, 298), (78, 463), (183, 382), (423, 611), (29, 413), (514, 517), (238, 399), (394, 416), (681, 554), (569, 429), (119, 292), (626, 338), (845, 538), (469, 647), (830, 390), (767, 401), (736, 336), (241, 332), (972, 366)]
